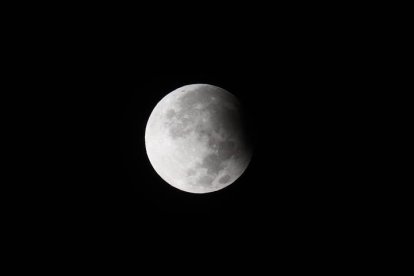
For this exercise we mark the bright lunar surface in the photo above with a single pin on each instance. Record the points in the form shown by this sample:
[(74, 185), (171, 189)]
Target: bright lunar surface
[(196, 140)]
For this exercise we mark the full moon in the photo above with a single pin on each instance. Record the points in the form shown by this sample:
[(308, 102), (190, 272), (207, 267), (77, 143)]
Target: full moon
[(196, 139)]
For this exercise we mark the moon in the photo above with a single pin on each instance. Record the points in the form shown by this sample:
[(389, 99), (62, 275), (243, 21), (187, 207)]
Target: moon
[(196, 139)]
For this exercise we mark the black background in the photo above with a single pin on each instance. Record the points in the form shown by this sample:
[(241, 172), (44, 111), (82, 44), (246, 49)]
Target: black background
[(99, 80)]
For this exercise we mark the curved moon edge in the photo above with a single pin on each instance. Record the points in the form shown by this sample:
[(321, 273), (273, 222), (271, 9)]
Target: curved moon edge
[(195, 140)]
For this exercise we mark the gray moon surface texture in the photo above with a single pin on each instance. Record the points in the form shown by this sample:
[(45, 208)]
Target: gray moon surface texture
[(196, 140)]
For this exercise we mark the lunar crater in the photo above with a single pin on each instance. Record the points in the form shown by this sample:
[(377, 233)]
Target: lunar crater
[(224, 179)]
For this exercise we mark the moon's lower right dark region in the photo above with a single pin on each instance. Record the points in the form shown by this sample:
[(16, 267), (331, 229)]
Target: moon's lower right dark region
[(196, 139)]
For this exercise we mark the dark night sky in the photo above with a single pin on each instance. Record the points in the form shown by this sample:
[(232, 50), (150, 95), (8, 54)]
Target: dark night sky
[(299, 84)]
